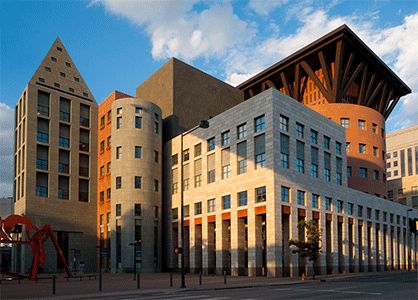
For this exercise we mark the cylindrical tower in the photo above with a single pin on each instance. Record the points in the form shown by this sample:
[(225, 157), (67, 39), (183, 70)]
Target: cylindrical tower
[(365, 138), (136, 185)]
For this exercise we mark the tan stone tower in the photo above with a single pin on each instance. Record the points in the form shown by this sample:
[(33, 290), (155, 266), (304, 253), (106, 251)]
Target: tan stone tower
[(56, 160)]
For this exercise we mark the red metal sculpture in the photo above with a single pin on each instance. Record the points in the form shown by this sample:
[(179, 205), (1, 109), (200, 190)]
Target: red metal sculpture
[(35, 237)]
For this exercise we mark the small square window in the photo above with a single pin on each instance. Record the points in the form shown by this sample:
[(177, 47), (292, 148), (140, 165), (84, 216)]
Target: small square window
[(40, 79), (242, 198), (362, 124), (85, 94), (285, 194), (225, 137), (138, 182), (68, 64), (59, 49), (260, 194), (198, 208), (138, 151), (301, 197), (259, 123), (71, 90), (362, 148), (345, 122), (242, 131), (198, 149), (138, 110), (76, 79), (211, 144), (53, 58), (57, 85), (211, 205), (226, 202), (62, 74), (48, 69)]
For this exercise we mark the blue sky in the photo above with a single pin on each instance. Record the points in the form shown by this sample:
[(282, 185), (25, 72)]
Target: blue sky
[(118, 44)]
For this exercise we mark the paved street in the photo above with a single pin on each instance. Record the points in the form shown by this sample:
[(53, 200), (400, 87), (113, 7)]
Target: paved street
[(388, 285)]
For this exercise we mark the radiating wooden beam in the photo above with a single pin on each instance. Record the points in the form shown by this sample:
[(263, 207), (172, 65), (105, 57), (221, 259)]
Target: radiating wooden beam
[(303, 87), (362, 85), (316, 80), (391, 107), (385, 105), (348, 68), (287, 87), (336, 87), (251, 92), (352, 77), (369, 89), (325, 70), (382, 97), (297, 82), (375, 92)]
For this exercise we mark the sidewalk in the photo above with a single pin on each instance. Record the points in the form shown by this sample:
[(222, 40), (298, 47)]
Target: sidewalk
[(155, 284)]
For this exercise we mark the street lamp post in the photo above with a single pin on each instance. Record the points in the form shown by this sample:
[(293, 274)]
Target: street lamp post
[(409, 238), (203, 124), (135, 244)]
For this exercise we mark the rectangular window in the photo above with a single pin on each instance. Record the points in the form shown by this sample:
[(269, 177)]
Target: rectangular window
[(300, 130), (186, 211), (118, 210), (402, 163), (175, 213), (101, 171), (211, 205), (43, 103), (198, 208), (118, 122), (300, 157), (360, 211), (138, 110), (138, 182), (197, 149), (226, 202), (211, 144), (83, 165), (211, 167), (64, 188), (198, 180), (327, 167), (64, 161), (374, 128), (138, 122), (226, 171), (118, 182), (345, 122), (348, 171), (284, 123), (186, 155), (138, 151), (156, 156), (242, 198), (102, 146), (119, 111), (83, 190), (369, 213), (225, 138), (314, 137), (242, 157), (409, 154), (363, 172), (259, 151), (174, 160), (118, 152), (260, 194), (137, 210), (84, 115), (108, 193), (315, 201), (340, 205), (241, 131), (285, 194), (362, 124), (338, 170), (65, 110), (376, 175), (42, 157), (108, 167), (156, 127), (259, 123), (328, 203), (301, 197), (377, 215), (327, 142), (284, 151), (337, 148), (42, 134), (362, 148), (314, 162), (156, 185)]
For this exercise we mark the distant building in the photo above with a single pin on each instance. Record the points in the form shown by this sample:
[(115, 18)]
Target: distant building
[(56, 159), (6, 207), (402, 166)]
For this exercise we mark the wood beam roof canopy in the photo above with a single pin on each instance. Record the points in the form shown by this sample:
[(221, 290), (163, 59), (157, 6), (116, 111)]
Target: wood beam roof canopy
[(351, 73)]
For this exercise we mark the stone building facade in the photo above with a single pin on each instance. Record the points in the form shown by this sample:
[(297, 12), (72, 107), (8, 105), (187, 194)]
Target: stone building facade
[(256, 172), (402, 166)]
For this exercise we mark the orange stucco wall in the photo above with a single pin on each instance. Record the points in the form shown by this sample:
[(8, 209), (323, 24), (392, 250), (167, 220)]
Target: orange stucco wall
[(104, 157), (355, 136)]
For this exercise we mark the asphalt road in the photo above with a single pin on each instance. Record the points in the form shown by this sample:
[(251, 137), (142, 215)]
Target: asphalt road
[(386, 286)]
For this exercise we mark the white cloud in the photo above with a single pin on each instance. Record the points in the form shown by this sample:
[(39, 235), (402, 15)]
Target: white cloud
[(6, 150), (177, 30), (265, 7)]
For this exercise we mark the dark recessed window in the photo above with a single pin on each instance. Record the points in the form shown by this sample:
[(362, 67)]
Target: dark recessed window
[(85, 94), (57, 84), (71, 90), (54, 59), (62, 74), (68, 64), (48, 69), (59, 49), (40, 79), (76, 79)]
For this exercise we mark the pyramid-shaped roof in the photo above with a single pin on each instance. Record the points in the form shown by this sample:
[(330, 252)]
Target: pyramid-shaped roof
[(58, 71)]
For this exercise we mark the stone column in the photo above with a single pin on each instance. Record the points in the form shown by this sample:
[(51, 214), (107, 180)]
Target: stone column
[(235, 237), (192, 246), (372, 250), (365, 247), (346, 251), (382, 256), (323, 255), (274, 237), (389, 248), (254, 244), (196, 253), (294, 235), (208, 255), (219, 245), (396, 249), (356, 244), (401, 250), (334, 242)]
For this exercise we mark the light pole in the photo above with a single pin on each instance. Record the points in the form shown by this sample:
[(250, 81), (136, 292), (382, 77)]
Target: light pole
[(409, 238), (203, 124), (135, 244)]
